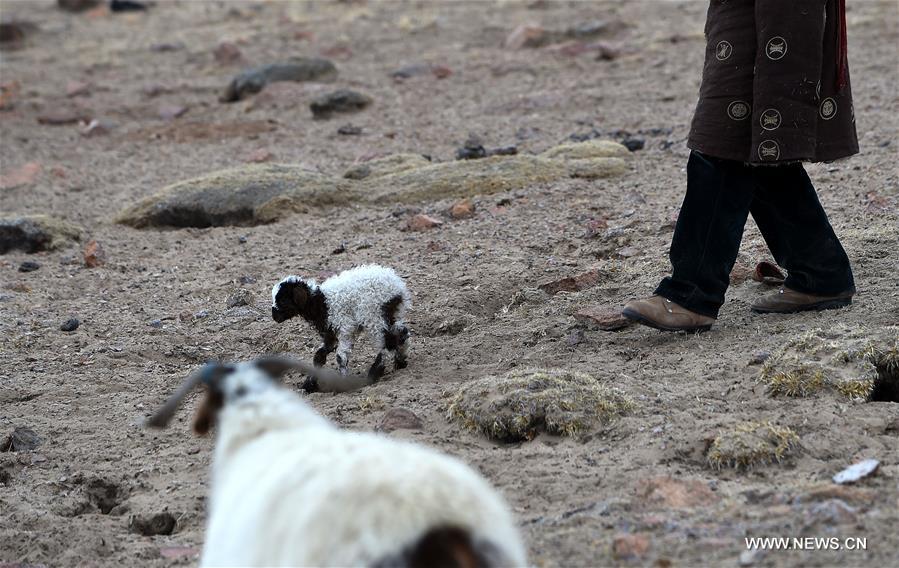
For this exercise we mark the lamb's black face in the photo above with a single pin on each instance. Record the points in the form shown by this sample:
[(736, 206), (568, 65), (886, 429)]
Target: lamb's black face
[(288, 299)]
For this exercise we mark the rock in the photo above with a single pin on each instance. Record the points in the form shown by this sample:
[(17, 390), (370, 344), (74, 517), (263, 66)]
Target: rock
[(70, 324), (572, 283), (240, 297), (126, 6), (741, 272), (13, 35), (670, 493), (247, 195), (156, 324), (171, 112), (258, 156), (21, 439), (94, 255), (77, 5), (152, 525), (750, 444), (97, 127), (603, 318), (387, 165), (838, 359), (77, 89), (517, 405), (29, 266), (626, 546), (299, 69), (227, 53), (341, 101), (462, 209), (25, 174), (419, 69), (527, 35), (576, 337), (633, 144), (34, 233), (422, 222), (857, 471), (399, 419), (349, 130), (595, 227), (628, 252), (503, 151), (473, 149), (62, 117), (759, 357)]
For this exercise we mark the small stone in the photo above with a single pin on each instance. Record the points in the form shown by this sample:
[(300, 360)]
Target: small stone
[(750, 557), (29, 266), (242, 239), (77, 5), (25, 174), (201, 314), (603, 318), (77, 89), (152, 525), (595, 227), (857, 471), (572, 283), (94, 255), (462, 209), (628, 252), (349, 130), (241, 297), (626, 546), (633, 144), (13, 34), (246, 279), (473, 149), (399, 419), (422, 222), (171, 112), (157, 323), (759, 357), (301, 69), (227, 53), (357, 172), (126, 6), (258, 156), (341, 101), (741, 272), (503, 151), (576, 337), (62, 117), (70, 324), (341, 248), (21, 439), (166, 47)]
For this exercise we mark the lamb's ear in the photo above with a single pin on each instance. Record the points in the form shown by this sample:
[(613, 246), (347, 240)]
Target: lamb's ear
[(300, 293), (208, 412)]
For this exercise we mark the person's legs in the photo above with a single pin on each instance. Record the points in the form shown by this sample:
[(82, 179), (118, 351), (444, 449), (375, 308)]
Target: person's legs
[(708, 233), (795, 227)]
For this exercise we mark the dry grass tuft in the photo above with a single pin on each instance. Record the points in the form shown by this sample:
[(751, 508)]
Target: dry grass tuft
[(751, 444), (516, 406)]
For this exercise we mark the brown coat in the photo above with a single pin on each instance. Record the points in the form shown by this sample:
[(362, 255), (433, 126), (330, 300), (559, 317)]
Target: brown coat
[(775, 85)]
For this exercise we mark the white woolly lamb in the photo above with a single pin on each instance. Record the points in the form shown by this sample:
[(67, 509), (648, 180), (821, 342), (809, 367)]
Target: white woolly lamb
[(370, 297), (290, 489)]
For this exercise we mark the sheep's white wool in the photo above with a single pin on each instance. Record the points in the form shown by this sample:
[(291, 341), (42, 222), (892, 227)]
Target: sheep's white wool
[(289, 488), (355, 297)]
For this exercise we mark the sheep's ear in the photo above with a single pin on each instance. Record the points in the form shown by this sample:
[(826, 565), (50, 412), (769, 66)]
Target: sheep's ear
[(208, 412), (300, 293)]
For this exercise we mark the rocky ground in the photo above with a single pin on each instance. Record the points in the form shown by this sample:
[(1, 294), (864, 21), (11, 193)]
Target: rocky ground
[(100, 112)]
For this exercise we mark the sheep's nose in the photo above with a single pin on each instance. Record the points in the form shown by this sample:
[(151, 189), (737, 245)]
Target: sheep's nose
[(276, 315)]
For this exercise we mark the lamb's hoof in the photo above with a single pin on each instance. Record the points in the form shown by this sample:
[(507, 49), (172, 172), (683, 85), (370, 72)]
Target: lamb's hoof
[(310, 385), (402, 364), (376, 372)]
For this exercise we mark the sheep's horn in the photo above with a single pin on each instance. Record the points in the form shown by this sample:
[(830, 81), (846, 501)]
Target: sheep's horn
[(327, 380), (208, 373)]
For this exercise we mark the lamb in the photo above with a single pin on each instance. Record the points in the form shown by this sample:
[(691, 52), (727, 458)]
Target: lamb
[(290, 488), (369, 297)]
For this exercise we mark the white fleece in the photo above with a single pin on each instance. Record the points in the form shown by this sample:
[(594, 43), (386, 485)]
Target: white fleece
[(290, 489)]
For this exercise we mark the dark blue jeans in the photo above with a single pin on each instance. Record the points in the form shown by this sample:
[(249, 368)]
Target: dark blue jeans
[(720, 196)]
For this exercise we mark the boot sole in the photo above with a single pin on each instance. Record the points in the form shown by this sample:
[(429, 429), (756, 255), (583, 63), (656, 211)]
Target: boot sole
[(639, 318), (815, 307)]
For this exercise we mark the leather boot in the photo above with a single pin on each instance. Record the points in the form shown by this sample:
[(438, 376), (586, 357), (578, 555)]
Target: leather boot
[(665, 315), (786, 301)]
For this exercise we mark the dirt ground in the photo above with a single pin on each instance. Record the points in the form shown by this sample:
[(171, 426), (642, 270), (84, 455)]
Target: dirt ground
[(73, 500)]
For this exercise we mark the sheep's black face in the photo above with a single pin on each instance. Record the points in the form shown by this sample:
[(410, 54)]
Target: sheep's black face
[(288, 299)]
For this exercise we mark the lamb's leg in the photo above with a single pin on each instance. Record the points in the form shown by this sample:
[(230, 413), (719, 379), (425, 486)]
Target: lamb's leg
[(399, 336), (378, 340), (344, 346), (329, 344)]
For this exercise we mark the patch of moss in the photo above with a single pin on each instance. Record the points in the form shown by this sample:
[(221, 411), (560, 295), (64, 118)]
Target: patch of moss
[(520, 404), (751, 444)]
